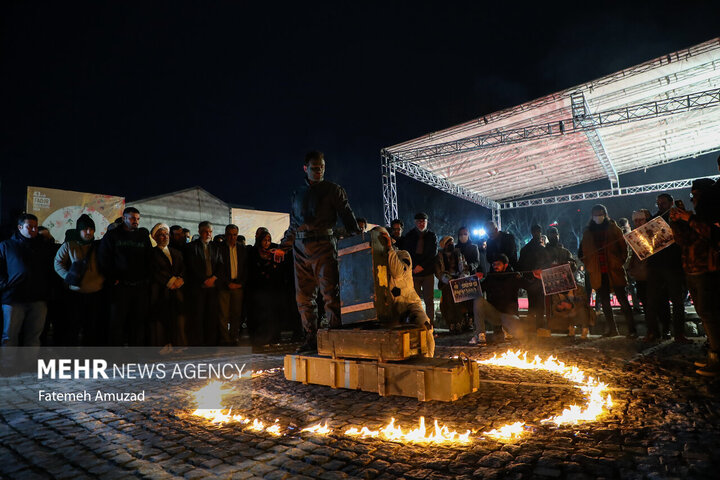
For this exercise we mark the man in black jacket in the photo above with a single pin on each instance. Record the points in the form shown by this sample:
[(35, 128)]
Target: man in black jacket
[(202, 262), (501, 286), (124, 258), (25, 275), (314, 211), (232, 278), (666, 280), (423, 245), (469, 250), (533, 256), (501, 242)]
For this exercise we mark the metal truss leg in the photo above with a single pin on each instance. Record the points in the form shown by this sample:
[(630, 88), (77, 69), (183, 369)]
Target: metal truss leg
[(496, 217), (389, 189)]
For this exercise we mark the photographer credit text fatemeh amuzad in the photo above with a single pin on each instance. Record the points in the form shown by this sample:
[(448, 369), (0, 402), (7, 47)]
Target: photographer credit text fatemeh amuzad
[(597, 403)]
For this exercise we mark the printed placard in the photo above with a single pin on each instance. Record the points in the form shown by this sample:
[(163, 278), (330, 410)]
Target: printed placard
[(466, 288), (58, 210), (648, 239), (558, 279)]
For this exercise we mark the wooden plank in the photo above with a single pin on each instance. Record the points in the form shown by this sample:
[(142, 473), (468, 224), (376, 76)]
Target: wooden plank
[(357, 308), (355, 248), (420, 385), (381, 381)]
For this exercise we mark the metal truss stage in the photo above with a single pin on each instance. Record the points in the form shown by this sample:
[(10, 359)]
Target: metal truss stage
[(661, 111)]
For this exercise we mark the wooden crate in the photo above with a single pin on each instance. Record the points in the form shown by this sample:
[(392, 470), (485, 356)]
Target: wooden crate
[(426, 379), (364, 280), (381, 344)]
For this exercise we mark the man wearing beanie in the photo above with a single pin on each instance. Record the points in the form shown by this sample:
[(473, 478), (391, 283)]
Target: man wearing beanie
[(422, 244), (124, 258), (84, 298)]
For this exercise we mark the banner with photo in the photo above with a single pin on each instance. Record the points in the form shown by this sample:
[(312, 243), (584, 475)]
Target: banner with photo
[(646, 240), (558, 279), (58, 210), (466, 288)]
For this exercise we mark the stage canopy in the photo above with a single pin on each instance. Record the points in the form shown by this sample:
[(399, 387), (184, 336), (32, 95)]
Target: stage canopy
[(661, 111)]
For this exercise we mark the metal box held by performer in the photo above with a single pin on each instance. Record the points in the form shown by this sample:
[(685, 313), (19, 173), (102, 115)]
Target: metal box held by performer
[(364, 280), (381, 344), (426, 379)]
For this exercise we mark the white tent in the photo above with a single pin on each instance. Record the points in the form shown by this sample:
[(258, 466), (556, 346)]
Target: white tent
[(248, 222), (185, 207)]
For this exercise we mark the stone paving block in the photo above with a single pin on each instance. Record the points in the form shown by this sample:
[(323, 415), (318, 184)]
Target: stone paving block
[(334, 475), (196, 474)]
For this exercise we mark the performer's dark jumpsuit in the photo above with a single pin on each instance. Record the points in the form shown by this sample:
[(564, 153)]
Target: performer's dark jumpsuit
[(314, 211)]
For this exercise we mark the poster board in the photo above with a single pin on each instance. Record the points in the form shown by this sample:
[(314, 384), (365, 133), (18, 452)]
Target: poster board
[(58, 210), (466, 288), (248, 222), (558, 279), (646, 240)]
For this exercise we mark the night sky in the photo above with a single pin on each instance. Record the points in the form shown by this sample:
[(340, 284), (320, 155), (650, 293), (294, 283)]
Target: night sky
[(142, 98)]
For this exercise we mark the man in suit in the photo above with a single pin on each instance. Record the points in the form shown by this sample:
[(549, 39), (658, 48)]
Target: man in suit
[(422, 244), (201, 264), (232, 277)]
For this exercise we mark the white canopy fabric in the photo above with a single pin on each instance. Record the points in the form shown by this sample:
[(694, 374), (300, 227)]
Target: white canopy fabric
[(248, 222), (515, 170)]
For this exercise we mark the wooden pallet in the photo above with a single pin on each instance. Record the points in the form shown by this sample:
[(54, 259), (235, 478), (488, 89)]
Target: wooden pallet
[(426, 379), (380, 344)]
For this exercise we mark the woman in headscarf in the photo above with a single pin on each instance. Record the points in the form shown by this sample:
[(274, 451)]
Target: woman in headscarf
[(450, 264), (269, 294), (604, 252), (167, 320)]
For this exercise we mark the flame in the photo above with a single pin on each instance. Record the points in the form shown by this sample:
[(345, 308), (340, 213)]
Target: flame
[(318, 429), (597, 403), (507, 432), (274, 429), (418, 435)]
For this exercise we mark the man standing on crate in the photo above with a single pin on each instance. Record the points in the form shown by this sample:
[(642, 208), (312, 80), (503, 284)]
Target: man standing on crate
[(314, 210)]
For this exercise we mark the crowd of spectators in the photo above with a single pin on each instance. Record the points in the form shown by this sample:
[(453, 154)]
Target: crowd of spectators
[(606, 265), (143, 288), (135, 287)]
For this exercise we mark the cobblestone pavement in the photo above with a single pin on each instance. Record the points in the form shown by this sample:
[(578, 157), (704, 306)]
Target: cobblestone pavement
[(664, 424)]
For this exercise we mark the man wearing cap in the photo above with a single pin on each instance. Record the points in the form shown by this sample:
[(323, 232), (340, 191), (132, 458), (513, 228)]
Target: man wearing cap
[(315, 208), (124, 258), (422, 245)]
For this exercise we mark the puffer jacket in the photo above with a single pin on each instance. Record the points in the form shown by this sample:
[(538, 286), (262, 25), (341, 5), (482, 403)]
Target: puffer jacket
[(72, 251)]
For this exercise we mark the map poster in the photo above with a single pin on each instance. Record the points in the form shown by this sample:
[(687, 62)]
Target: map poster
[(58, 210), (648, 239), (466, 288), (558, 279)]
